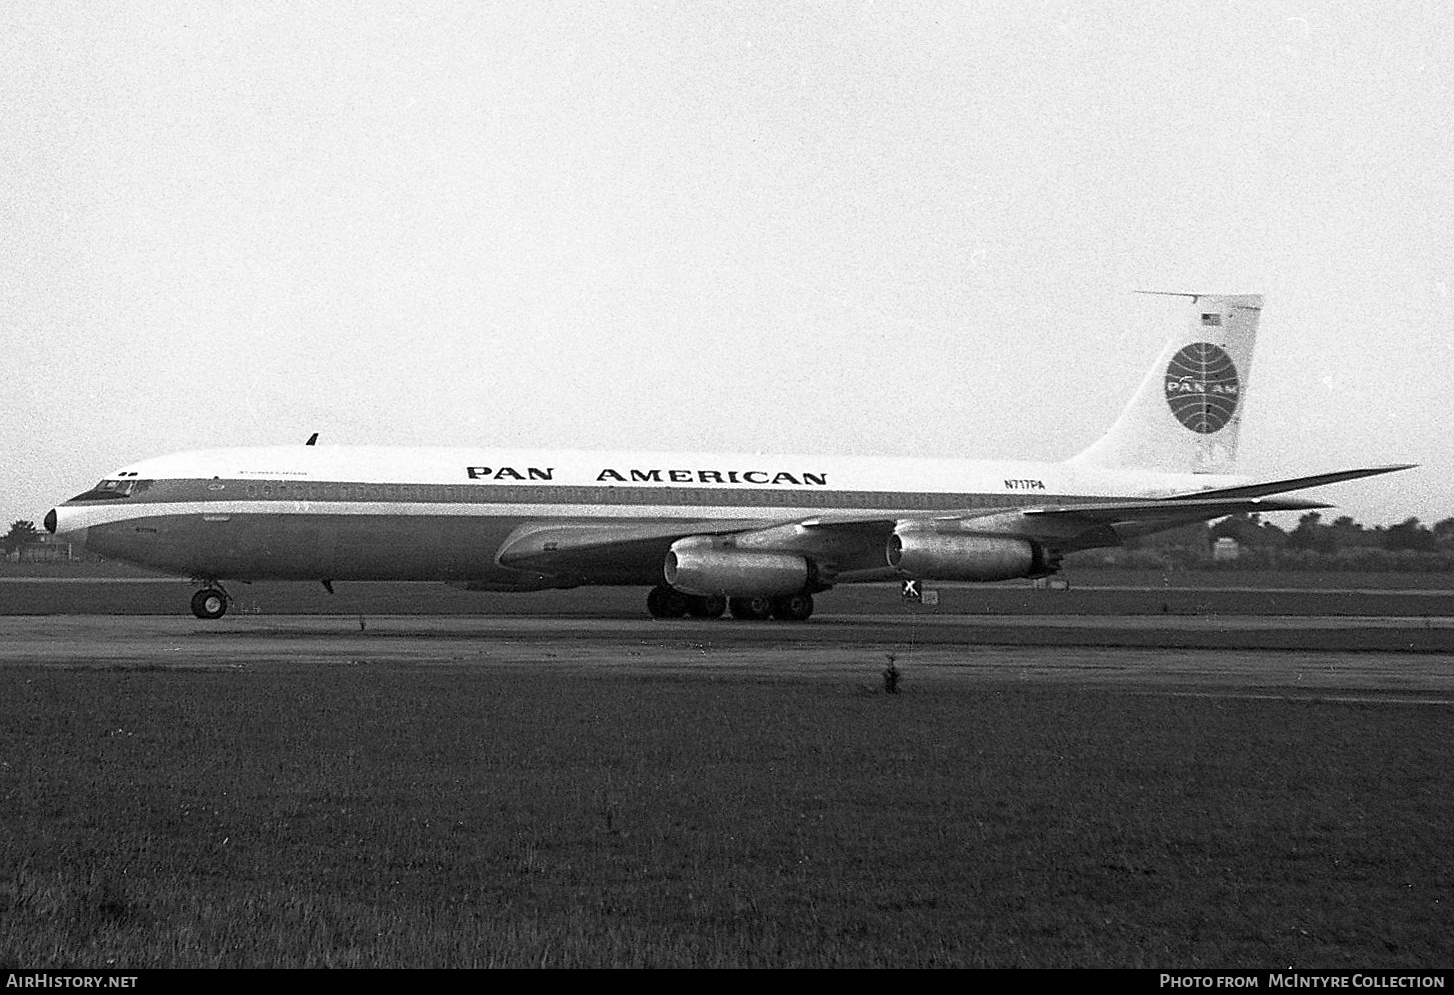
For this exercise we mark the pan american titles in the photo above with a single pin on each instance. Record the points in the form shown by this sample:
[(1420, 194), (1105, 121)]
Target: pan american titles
[(657, 476)]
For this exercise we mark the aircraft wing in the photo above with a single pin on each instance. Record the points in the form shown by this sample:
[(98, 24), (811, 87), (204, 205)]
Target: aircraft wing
[(606, 552), (601, 551)]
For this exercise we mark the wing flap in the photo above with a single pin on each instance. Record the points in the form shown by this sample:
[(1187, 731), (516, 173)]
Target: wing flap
[(1172, 508)]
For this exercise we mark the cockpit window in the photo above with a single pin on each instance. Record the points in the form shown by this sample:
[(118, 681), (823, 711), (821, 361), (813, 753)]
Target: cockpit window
[(111, 489)]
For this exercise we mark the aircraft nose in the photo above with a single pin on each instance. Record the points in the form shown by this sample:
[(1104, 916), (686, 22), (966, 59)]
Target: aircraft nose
[(50, 521)]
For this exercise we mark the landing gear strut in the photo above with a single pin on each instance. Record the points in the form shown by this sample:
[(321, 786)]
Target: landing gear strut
[(210, 602)]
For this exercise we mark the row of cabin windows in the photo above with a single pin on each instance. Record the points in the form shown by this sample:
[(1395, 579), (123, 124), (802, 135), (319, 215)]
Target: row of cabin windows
[(473, 494), (301, 491)]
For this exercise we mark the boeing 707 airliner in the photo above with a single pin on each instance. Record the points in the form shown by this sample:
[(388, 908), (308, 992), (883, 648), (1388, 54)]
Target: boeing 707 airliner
[(758, 536)]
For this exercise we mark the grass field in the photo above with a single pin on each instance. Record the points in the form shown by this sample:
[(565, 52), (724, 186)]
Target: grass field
[(377, 814)]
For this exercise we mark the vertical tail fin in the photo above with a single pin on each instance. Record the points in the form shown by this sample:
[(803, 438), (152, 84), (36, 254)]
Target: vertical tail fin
[(1187, 412)]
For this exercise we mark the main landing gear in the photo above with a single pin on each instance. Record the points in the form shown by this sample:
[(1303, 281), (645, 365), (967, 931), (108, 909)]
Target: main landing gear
[(210, 602), (667, 602)]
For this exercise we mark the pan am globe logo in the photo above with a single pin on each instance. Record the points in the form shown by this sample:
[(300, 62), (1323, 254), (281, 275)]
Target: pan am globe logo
[(1201, 387)]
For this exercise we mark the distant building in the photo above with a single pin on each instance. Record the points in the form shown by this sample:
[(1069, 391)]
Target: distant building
[(46, 549), (1225, 550)]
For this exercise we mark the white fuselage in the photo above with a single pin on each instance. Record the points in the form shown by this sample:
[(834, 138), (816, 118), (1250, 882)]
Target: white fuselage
[(375, 513)]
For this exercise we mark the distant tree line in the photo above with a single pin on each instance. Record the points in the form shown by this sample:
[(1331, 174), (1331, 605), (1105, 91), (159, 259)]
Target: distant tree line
[(1313, 544)]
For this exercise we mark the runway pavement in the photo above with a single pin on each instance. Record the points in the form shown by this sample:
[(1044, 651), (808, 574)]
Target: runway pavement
[(1210, 595), (1385, 659)]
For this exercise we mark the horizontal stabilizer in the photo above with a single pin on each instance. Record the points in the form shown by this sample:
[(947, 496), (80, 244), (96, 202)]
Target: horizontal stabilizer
[(1293, 484)]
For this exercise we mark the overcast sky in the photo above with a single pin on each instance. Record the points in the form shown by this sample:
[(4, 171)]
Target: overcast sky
[(864, 228)]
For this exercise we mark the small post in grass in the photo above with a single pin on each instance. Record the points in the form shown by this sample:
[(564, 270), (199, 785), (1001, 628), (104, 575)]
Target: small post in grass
[(891, 676)]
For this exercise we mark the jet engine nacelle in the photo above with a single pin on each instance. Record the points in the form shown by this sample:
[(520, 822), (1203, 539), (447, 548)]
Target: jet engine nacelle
[(930, 556), (739, 573)]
